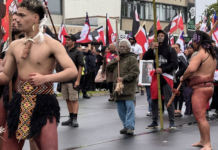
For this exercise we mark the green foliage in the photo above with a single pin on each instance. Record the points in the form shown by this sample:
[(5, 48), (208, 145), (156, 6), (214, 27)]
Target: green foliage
[(210, 11)]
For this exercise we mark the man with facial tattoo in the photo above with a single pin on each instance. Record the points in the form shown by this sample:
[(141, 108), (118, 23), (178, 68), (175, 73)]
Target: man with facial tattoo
[(168, 62)]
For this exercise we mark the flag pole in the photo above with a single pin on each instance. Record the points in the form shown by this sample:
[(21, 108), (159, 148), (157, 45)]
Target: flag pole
[(4, 1), (214, 27), (140, 28), (157, 66), (10, 40), (51, 21)]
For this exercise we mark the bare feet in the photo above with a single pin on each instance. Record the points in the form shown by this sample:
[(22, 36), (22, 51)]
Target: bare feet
[(207, 148), (199, 144)]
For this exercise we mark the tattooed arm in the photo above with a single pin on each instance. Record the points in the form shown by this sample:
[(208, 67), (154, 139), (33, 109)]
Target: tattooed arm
[(194, 64)]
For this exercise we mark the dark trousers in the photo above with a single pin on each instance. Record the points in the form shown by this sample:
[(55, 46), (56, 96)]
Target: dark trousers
[(83, 85), (110, 87), (91, 80), (167, 92), (178, 99)]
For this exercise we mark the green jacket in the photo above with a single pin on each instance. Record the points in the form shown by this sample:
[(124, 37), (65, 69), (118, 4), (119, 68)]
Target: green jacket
[(129, 71)]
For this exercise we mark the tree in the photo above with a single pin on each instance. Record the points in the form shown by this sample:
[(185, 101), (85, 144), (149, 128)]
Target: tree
[(210, 11)]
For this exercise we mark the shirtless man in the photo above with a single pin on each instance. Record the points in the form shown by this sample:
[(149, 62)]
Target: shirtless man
[(35, 110), (4, 102), (200, 73)]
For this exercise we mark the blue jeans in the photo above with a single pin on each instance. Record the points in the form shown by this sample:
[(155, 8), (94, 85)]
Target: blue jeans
[(126, 111), (148, 97)]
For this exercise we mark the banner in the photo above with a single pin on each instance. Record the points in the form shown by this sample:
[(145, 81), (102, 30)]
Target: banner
[(191, 18)]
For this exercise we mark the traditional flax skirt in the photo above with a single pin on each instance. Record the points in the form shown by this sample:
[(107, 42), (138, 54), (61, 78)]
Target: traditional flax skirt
[(30, 108)]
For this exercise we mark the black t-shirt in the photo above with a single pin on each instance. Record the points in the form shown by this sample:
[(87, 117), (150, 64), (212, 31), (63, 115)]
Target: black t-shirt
[(76, 56)]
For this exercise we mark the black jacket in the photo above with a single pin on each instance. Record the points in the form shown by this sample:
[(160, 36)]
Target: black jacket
[(99, 62), (182, 65), (90, 62), (168, 60)]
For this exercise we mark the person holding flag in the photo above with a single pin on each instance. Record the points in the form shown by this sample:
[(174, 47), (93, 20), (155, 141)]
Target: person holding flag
[(168, 62)]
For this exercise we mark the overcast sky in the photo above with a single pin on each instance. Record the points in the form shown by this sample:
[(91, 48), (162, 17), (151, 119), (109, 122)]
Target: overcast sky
[(200, 7)]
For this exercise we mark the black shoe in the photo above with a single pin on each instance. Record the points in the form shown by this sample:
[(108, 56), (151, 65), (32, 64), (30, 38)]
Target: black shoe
[(123, 131), (67, 123), (172, 125), (130, 132), (75, 123), (154, 125), (142, 92), (86, 96)]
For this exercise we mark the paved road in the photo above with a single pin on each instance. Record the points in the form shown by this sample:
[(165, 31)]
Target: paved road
[(100, 125)]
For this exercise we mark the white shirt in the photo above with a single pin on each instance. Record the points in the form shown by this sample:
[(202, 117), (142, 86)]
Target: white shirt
[(137, 49)]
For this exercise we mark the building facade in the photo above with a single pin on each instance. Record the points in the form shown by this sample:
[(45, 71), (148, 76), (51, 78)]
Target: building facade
[(73, 14)]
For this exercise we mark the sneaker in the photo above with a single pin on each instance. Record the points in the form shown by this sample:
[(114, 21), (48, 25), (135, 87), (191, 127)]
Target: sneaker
[(149, 113), (154, 125), (67, 123), (75, 123), (96, 90), (172, 126), (215, 113), (123, 131), (178, 114), (142, 92), (130, 132)]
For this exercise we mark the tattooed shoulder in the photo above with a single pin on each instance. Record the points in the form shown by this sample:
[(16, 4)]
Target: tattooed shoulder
[(195, 54)]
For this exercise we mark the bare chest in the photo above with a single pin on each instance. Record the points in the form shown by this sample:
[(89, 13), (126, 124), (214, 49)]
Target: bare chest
[(39, 55)]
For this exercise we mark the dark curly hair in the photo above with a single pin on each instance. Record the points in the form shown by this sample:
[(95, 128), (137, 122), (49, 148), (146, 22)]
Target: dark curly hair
[(35, 6), (206, 42)]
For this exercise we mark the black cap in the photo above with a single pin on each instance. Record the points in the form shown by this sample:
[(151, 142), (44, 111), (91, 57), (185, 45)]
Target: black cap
[(71, 36)]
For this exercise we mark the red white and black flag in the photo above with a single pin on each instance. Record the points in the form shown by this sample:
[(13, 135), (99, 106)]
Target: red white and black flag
[(174, 24), (84, 36), (135, 23), (109, 31), (62, 33), (101, 37), (141, 39), (172, 40), (151, 31)]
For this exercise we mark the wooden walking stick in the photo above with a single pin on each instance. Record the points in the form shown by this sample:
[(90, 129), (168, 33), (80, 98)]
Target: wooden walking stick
[(120, 86), (175, 93), (157, 66)]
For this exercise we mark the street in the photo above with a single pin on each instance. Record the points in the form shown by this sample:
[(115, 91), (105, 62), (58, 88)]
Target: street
[(99, 126)]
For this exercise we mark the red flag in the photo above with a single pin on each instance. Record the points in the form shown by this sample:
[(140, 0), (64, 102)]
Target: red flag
[(109, 31), (174, 24), (154, 91), (172, 40), (158, 24), (142, 39), (5, 20), (151, 31), (62, 33), (180, 22), (101, 36)]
